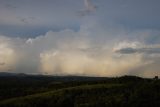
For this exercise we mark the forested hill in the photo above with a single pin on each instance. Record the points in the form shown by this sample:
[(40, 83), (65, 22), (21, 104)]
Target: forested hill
[(21, 90)]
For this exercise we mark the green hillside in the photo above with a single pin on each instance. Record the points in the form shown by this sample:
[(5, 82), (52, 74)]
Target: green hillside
[(127, 91)]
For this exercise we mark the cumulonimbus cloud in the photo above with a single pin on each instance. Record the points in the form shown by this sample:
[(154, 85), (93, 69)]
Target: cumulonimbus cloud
[(78, 53)]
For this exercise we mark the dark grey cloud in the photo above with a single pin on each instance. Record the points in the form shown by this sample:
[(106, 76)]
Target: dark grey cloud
[(50, 14), (150, 50), (10, 6), (27, 20)]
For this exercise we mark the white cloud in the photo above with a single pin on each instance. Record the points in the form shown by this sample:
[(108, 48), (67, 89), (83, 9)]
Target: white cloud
[(127, 44), (79, 53), (7, 54)]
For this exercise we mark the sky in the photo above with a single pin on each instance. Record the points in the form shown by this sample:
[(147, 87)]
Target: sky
[(80, 37)]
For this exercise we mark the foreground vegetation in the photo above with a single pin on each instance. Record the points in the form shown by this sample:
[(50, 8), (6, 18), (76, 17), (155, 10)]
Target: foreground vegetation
[(45, 91)]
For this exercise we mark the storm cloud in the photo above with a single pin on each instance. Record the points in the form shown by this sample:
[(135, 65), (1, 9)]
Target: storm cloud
[(77, 53), (121, 37)]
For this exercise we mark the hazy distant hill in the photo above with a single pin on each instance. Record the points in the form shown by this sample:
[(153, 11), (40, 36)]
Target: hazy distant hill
[(11, 74), (52, 77)]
